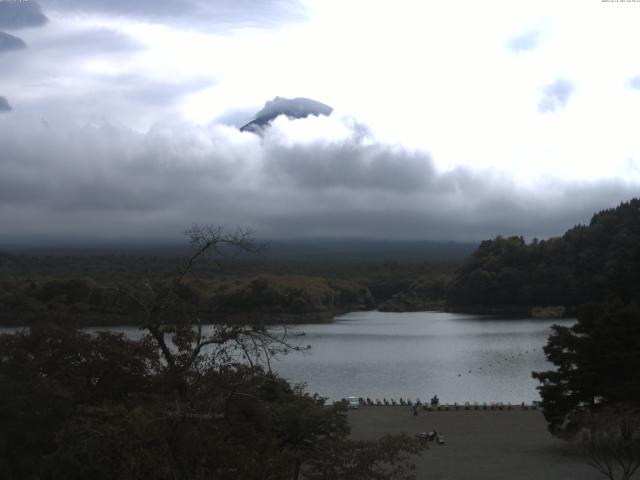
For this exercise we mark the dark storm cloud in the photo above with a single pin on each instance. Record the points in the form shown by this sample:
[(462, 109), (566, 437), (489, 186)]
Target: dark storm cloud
[(218, 14), (149, 9), (10, 42), (98, 179), (89, 41), (555, 95), (524, 42), (4, 105), (15, 14)]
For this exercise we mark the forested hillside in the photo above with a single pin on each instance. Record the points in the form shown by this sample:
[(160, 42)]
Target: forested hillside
[(89, 289), (589, 263)]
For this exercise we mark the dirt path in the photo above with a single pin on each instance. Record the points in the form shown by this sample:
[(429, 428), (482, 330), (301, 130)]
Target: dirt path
[(491, 445)]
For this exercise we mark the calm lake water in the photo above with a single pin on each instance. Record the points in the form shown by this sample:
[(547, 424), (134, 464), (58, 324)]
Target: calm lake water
[(417, 355), (458, 357)]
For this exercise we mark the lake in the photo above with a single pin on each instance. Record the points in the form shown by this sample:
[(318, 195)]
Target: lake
[(417, 355), (457, 357)]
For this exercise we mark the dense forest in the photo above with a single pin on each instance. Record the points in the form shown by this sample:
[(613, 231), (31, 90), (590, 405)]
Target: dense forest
[(589, 263), (592, 395), (88, 289)]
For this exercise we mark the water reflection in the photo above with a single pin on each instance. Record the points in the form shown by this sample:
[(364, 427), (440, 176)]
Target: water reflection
[(458, 357)]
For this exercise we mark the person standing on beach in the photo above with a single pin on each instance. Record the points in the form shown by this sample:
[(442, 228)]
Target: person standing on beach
[(415, 410)]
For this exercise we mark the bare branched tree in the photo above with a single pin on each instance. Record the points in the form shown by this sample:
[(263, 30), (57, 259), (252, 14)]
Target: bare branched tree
[(178, 330), (611, 440)]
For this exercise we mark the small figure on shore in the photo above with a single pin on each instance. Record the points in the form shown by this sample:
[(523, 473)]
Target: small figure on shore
[(415, 410), (435, 400)]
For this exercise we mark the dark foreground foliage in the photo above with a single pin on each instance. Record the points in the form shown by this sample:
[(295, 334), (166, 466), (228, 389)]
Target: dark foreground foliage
[(184, 402), (610, 438), (78, 406), (597, 364), (88, 289)]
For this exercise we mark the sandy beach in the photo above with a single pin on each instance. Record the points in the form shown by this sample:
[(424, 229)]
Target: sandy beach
[(491, 445)]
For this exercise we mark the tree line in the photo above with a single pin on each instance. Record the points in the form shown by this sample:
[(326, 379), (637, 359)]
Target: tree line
[(588, 263)]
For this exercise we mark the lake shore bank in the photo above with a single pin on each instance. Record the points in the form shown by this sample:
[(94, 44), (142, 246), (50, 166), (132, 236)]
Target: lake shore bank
[(480, 445), (250, 318), (85, 320), (535, 312)]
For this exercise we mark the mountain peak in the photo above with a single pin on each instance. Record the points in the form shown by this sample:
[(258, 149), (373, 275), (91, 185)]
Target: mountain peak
[(299, 107)]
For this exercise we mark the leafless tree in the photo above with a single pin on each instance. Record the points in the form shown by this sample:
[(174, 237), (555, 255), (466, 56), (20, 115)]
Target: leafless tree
[(179, 333), (611, 440)]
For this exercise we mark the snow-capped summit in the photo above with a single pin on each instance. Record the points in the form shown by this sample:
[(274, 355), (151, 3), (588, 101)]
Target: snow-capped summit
[(291, 107)]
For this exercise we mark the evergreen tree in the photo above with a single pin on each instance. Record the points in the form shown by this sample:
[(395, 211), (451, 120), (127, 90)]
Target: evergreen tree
[(597, 362)]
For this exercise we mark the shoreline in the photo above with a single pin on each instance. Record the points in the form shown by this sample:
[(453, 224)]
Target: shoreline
[(84, 320), (551, 312), (251, 318), (95, 319)]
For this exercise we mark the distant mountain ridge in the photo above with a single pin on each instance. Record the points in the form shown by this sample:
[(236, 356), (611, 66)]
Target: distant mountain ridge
[(283, 250), (370, 251)]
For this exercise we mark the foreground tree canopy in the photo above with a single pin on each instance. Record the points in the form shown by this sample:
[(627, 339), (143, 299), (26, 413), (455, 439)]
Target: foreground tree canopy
[(182, 402), (593, 395), (597, 362)]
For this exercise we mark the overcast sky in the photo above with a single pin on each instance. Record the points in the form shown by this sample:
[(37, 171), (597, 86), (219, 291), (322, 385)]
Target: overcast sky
[(452, 120)]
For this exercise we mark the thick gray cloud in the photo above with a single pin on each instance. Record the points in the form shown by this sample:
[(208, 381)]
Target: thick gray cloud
[(524, 42), (350, 165), (94, 41), (76, 68), (4, 105), (63, 180), (52, 78), (10, 42), (237, 117), (218, 14), (140, 89), (16, 14), (555, 95)]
